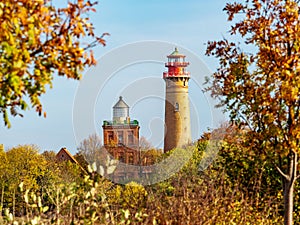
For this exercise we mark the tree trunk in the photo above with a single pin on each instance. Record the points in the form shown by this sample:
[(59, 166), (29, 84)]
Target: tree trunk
[(14, 203), (288, 202), (289, 183), (2, 199)]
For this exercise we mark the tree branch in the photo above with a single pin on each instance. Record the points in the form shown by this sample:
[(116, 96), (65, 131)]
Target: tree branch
[(281, 173), (294, 166)]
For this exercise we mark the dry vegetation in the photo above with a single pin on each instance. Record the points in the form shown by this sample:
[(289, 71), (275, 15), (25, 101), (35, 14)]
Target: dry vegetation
[(239, 188)]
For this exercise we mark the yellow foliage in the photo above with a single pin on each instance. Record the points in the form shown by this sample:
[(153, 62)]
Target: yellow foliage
[(38, 40)]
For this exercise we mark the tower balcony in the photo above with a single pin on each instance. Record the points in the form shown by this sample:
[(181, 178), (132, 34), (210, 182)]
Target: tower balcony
[(116, 123), (172, 74), (177, 64)]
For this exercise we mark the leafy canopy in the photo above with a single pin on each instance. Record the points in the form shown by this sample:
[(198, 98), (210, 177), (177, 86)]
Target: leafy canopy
[(38, 40), (262, 89)]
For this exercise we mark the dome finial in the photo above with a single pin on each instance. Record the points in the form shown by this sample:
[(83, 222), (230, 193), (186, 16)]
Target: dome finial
[(175, 52)]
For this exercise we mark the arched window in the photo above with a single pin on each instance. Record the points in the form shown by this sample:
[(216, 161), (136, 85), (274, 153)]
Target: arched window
[(176, 107)]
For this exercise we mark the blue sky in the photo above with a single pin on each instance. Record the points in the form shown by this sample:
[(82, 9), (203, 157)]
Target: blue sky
[(187, 24)]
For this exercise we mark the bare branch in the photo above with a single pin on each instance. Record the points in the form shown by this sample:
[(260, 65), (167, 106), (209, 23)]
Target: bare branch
[(282, 173)]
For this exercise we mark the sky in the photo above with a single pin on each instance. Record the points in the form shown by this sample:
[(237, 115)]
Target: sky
[(142, 34)]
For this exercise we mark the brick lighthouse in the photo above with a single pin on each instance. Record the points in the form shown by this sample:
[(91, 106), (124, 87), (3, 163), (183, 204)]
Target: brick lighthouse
[(177, 108)]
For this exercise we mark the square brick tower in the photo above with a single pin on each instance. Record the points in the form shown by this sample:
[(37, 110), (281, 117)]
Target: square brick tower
[(121, 135)]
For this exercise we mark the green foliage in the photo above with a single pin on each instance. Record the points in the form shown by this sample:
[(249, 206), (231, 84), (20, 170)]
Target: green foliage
[(216, 195), (26, 165), (134, 195), (252, 171), (20, 164)]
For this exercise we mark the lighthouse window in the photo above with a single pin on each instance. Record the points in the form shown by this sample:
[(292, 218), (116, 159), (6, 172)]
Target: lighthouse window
[(176, 107), (120, 112), (120, 137), (130, 138)]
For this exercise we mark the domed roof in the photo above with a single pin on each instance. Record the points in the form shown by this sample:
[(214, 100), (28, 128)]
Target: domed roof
[(176, 53), (121, 103)]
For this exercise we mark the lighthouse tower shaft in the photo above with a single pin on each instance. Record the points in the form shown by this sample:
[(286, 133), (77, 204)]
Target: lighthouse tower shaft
[(177, 109)]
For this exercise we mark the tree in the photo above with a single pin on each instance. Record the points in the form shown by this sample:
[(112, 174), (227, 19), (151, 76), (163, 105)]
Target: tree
[(261, 90), (145, 144), (90, 151), (243, 166), (37, 41), (3, 176), (90, 148), (24, 164)]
